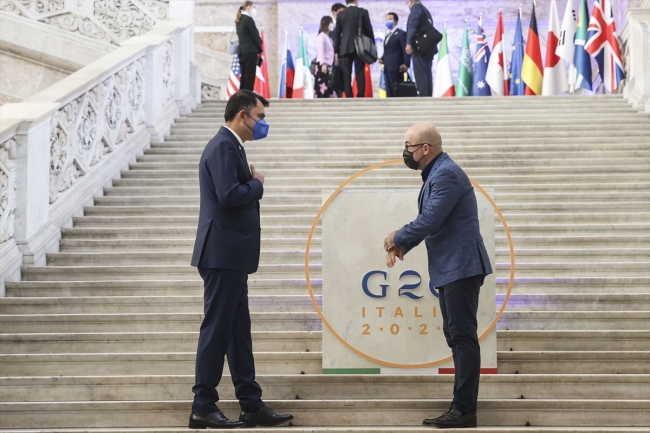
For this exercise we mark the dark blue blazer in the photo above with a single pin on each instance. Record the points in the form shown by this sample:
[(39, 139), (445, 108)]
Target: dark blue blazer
[(394, 52), (419, 18), (228, 236), (448, 224)]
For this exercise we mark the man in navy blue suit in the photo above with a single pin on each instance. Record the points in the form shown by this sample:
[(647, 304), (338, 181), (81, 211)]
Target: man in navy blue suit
[(226, 250), (394, 59), (419, 19), (458, 261)]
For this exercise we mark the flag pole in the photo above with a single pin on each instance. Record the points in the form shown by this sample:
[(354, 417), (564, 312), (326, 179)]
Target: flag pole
[(286, 46)]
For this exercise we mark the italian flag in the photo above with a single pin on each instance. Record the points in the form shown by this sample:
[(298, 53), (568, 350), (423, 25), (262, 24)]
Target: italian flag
[(444, 85), (303, 86)]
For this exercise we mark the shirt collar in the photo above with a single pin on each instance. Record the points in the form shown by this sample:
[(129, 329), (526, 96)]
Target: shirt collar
[(352, 6), (241, 143), (244, 13), (429, 167)]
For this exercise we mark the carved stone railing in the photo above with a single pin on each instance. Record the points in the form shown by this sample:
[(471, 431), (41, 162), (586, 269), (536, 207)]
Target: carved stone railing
[(636, 51), (111, 21), (59, 148)]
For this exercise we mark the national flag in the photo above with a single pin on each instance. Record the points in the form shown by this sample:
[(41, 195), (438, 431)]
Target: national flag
[(444, 84), (532, 72), (368, 93), (262, 87), (381, 93), (287, 72), (497, 71), (565, 46), (581, 58), (481, 60), (516, 85), (465, 72), (555, 78), (233, 78), (602, 43), (303, 85)]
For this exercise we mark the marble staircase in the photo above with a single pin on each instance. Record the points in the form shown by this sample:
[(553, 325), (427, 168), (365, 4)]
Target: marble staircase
[(104, 336)]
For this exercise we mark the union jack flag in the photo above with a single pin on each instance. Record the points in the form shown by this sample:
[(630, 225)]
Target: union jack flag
[(602, 44), (233, 78)]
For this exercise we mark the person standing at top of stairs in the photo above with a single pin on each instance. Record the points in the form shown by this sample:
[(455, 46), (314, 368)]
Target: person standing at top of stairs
[(226, 250), (250, 44)]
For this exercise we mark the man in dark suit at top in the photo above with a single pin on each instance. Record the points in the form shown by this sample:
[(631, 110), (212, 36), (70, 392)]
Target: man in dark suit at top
[(394, 59), (458, 261), (419, 19), (226, 250), (346, 30), (336, 8)]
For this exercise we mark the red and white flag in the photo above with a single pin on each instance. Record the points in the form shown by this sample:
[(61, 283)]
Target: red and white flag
[(555, 74), (233, 78), (602, 44), (262, 87), (497, 75)]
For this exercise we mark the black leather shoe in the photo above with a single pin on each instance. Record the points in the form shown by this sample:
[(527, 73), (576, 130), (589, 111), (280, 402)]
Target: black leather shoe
[(455, 419), (429, 421), (213, 420), (264, 417)]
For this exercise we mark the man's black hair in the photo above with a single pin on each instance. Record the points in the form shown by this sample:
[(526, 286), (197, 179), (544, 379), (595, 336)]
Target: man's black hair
[(337, 7), (242, 100), (395, 17), (349, 1)]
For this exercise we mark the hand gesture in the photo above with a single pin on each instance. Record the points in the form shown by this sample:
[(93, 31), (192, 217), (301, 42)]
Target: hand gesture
[(389, 242), (257, 175), (394, 254)]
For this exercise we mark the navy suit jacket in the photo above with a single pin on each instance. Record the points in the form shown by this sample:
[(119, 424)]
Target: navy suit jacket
[(448, 224), (394, 52), (228, 236), (419, 18)]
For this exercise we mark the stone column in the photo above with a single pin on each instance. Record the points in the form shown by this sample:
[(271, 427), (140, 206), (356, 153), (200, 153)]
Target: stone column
[(636, 42)]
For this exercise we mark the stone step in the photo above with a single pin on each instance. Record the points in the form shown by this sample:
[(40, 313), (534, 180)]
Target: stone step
[(151, 322), (183, 256), (149, 342), (326, 387), (297, 286), (301, 321), (355, 429), (190, 303), (588, 340), (497, 412), (121, 364), (577, 302), (569, 362)]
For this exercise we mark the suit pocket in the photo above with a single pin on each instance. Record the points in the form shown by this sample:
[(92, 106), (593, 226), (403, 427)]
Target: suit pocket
[(241, 220)]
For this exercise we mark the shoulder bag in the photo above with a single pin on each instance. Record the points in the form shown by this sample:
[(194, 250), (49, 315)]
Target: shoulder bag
[(365, 47), (233, 46)]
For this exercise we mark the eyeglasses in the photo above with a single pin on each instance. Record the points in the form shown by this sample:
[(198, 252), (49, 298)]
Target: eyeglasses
[(408, 146)]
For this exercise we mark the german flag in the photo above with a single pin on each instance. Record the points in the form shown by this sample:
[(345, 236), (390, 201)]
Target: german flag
[(532, 71)]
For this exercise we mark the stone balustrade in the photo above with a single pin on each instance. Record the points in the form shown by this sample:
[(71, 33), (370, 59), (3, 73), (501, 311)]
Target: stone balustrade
[(62, 146), (636, 51)]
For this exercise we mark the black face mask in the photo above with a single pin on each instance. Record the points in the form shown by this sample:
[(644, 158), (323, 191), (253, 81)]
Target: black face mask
[(409, 161)]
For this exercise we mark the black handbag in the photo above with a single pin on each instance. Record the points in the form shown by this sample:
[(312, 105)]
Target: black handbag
[(365, 47), (406, 88), (335, 78), (427, 39)]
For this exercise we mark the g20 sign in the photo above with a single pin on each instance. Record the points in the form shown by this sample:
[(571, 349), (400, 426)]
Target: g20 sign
[(408, 289)]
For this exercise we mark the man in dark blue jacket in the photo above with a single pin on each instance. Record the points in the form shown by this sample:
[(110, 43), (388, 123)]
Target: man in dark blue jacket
[(394, 59), (226, 250), (458, 261), (420, 19)]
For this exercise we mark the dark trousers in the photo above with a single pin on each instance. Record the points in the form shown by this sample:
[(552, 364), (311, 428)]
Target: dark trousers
[(458, 306), (346, 67), (391, 78), (248, 64), (226, 330), (422, 71)]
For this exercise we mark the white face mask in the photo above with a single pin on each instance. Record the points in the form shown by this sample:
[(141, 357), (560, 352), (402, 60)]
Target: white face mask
[(253, 12), (331, 27)]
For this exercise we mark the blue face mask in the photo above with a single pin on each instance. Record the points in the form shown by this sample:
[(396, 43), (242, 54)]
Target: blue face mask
[(260, 130), (390, 25)]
